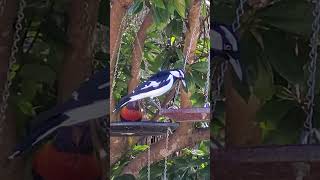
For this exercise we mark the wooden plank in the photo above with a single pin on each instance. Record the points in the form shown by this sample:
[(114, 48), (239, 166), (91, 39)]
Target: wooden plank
[(266, 154), (187, 114)]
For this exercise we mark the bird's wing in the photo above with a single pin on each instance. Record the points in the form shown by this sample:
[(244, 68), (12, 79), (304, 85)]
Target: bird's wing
[(150, 86), (47, 129)]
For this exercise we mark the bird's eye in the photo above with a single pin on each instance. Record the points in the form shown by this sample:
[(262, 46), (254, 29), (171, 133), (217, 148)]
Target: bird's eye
[(227, 47)]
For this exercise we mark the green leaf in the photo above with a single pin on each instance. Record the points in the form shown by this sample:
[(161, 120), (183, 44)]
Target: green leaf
[(140, 147), (29, 89), (160, 16), (175, 27), (159, 3), (294, 16), (282, 56), (170, 6), (37, 72), (200, 66), (26, 107), (180, 6), (275, 110), (263, 87), (136, 7)]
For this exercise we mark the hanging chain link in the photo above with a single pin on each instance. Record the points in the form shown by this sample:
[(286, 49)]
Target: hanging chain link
[(2, 6), (12, 61), (207, 86), (149, 160), (219, 82), (239, 12), (115, 75), (308, 124), (166, 157)]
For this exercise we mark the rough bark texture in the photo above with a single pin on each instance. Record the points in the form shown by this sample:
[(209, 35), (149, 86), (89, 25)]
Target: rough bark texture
[(14, 170), (183, 136), (78, 57), (118, 11)]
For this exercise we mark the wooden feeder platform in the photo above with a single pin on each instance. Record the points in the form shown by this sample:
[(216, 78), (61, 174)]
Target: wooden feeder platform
[(264, 162), (142, 128), (187, 114)]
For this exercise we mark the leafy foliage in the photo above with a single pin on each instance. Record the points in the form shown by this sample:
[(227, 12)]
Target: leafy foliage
[(163, 49), (274, 50), (40, 56)]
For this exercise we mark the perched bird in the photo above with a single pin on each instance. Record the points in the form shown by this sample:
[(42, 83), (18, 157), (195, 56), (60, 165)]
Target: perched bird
[(89, 102), (67, 157), (131, 112), (225, 44), (155, 86)]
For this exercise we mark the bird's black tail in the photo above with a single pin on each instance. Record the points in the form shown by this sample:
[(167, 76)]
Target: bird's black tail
[(124, 101)]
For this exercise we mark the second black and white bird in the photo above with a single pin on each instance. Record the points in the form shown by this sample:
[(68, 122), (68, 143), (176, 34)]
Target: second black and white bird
[(155, 86), (225, 44)]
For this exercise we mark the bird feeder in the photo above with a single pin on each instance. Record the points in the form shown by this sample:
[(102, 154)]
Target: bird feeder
[(142, 128), (187, 114)]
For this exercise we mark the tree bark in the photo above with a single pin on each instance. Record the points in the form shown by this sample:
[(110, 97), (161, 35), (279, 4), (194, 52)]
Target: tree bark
[(78, 54), (8, 138), (241, 129), (185, 132), (120, 144)]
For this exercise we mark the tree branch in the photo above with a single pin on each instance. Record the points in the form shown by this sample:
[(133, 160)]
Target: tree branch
[(117, 13), (120, 145), (179, 140)]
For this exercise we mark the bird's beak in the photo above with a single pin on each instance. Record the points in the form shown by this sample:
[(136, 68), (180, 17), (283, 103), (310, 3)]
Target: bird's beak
[(184, 85), (236, 66)]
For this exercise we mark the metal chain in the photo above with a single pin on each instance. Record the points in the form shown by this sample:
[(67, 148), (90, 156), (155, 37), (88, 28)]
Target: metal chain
[(207, 87), (2, 6), (166, 157), (239, 12), (115, 75), (12, 61), (149, 152), (219, 83), (308, 124), (185, 61)]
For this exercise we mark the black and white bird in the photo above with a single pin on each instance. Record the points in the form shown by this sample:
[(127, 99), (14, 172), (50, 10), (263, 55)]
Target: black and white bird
[(225, 44), (155, 86), (89, 102)]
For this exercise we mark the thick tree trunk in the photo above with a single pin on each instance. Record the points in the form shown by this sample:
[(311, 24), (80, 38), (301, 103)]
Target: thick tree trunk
[(78, 57), (241, 129), (78, 54), (15, 170), (118, 11), (183, 136)]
